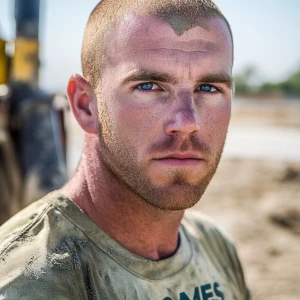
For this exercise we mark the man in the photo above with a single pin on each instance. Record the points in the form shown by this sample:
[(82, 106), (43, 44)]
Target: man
[(155, 105)]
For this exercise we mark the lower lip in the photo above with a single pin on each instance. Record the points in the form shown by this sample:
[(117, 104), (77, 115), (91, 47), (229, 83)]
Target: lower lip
[(188, 162)]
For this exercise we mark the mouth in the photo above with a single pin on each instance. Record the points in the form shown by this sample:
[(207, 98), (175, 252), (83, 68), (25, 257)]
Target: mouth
[(181, 160)]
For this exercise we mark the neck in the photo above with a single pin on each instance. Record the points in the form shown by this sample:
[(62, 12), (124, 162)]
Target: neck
[(136, 225)]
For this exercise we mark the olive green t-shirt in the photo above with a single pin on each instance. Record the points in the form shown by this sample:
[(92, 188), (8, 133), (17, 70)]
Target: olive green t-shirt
[(53, 250)]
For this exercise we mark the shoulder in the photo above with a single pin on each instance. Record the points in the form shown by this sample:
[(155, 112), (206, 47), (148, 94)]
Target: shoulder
[(28, 250), (204, 227), (21, 223), (203, 230), (29, 221), (209, 238)]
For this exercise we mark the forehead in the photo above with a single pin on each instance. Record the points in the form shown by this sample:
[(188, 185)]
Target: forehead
[(136, 35)]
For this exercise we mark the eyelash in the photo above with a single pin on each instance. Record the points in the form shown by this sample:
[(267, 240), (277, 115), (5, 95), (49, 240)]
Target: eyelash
[(148, 82), (218, 90)]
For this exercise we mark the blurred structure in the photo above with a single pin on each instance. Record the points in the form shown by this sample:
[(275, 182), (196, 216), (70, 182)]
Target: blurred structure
[(32, 135), (249, 83), (290, 86)]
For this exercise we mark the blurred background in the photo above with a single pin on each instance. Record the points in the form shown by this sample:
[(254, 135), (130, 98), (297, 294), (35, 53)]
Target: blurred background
[(255, 194)]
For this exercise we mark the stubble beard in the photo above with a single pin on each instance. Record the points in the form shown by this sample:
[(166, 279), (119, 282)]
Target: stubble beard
[(120, 160)]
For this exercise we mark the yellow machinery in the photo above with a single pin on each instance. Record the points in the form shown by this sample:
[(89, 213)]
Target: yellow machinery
[(32, 137), (3, 63), (26, 61)]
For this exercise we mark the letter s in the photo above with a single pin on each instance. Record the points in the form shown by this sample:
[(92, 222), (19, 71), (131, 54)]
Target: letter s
[(217, 291)]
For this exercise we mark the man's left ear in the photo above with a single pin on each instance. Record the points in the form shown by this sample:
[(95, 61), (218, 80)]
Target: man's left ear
[(83, 103)]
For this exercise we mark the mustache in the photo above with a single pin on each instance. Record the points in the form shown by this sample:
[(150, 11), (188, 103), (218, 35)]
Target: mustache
[(175, 143)]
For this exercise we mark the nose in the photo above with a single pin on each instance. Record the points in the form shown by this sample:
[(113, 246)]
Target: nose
[(184, 120)]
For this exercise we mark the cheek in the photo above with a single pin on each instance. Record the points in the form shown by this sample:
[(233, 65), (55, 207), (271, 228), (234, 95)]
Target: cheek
[(138, 123), (215, 120), (223, 113)]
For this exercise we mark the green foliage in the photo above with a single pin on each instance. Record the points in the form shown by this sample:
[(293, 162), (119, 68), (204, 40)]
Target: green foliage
[(289, 87), (292, 84)]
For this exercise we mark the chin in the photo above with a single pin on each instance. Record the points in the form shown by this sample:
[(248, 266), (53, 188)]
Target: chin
[(177, 191), (179, 196)]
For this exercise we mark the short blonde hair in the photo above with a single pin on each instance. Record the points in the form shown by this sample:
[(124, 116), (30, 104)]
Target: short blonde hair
[(108, 13)]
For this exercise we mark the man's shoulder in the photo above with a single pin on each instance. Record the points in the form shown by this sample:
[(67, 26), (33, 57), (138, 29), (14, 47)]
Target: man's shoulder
[(44, 223), (204, 224), (34, 245), (209, 238), (21, 223), (26, 221), (205, 230)]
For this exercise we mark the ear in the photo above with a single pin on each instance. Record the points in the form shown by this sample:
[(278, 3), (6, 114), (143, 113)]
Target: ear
[(83, 103)]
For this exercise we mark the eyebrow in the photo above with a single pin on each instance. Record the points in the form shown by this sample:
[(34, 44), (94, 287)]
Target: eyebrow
[(217, 78), (146, 75)]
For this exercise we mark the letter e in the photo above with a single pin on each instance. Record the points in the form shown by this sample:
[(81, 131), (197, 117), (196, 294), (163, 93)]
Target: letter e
[(206, 291)]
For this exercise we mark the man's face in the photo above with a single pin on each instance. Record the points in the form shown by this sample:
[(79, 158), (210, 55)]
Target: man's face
[(165, 107)]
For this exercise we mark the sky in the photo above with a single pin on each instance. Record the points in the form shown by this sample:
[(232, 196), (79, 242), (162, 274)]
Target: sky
[(266, 35)]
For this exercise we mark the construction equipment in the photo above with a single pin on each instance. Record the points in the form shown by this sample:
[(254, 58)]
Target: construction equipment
[(32, 135)]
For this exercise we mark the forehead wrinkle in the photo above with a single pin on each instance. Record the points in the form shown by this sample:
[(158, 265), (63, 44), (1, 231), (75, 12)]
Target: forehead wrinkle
[(180, 50), (192, 45), (190, 69), (175, 55), (195, 45)]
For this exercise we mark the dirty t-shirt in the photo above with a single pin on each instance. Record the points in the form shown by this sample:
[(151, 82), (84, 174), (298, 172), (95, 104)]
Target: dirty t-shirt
[(52, 250)]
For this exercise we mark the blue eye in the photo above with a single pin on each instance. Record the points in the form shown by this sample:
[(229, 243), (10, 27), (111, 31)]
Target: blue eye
[(206, 88), (147, 86)]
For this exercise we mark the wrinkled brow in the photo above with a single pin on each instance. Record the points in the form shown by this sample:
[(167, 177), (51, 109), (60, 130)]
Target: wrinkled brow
[(217, 78), (145, 75)]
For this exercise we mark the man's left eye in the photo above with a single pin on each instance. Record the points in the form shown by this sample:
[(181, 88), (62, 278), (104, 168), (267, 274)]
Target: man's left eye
[(146, 86), (207, 88)]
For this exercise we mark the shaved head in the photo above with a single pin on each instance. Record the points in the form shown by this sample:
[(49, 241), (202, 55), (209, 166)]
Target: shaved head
[(182, 15)]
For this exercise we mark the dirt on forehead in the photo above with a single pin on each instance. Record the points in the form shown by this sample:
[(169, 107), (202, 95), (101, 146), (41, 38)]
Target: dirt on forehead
[(186, 17), (182, 15), (182, 23)]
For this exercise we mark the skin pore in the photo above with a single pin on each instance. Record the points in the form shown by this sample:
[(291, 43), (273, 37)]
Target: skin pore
[(156, 133)]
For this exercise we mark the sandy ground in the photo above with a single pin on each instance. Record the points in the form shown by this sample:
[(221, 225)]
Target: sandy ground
[(258, 203)]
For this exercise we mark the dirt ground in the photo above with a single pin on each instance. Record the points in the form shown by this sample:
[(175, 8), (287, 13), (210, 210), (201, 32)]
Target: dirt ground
[(258, 202)]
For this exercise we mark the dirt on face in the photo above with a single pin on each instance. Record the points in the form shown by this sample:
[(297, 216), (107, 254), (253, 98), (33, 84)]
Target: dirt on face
[(185, 16)]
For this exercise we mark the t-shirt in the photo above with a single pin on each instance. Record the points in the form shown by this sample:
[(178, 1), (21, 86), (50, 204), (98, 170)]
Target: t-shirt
[(53, 250)]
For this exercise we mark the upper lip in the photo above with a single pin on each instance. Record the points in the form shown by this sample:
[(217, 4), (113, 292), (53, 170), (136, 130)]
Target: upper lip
[(181, 155)]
